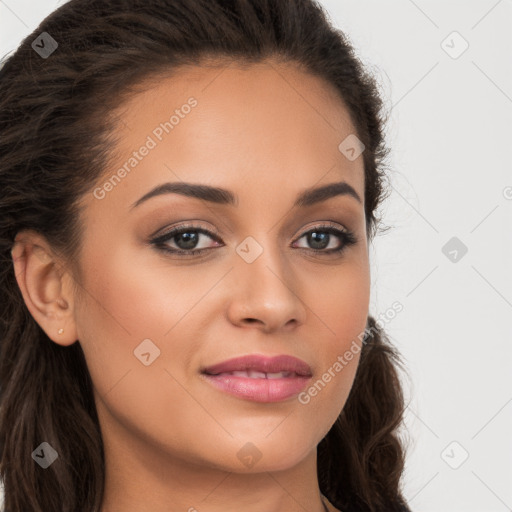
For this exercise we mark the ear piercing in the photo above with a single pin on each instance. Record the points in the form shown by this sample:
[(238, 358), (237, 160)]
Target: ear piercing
[(60, 331)]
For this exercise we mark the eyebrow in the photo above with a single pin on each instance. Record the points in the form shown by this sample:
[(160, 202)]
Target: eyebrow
[(308, 197)]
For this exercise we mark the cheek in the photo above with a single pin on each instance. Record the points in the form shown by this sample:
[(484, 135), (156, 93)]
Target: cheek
[(132, 299), (128, 300), (342, 312), (118, 311), (342, 305)]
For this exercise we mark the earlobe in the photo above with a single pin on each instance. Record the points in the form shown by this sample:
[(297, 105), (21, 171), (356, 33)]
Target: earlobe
[(40, 277)]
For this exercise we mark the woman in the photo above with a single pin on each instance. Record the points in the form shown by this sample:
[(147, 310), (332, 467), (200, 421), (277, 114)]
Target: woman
[(189, 190)]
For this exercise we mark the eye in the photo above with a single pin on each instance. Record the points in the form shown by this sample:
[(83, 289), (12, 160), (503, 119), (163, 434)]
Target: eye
[(321, 237), (186, 238)]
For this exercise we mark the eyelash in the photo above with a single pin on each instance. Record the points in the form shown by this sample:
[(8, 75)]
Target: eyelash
[(347, 237)]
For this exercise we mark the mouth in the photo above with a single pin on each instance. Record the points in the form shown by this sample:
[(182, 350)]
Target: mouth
[(253, 374), (261, 364), (259, 378)]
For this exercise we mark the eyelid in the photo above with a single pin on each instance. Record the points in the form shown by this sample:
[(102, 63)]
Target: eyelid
[(186, 225), (323, 224)]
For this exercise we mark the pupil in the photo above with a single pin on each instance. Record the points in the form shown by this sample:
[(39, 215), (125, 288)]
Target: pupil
[(323, 236), (190, 240)]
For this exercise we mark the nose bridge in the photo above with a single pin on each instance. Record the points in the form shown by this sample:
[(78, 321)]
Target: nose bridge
[(261, 258), (265, 286)]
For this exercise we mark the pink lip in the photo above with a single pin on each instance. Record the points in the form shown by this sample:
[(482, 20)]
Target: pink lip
[(259, 363), (260, 389)]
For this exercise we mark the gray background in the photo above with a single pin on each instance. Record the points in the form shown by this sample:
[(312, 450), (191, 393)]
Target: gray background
[(450, 128)]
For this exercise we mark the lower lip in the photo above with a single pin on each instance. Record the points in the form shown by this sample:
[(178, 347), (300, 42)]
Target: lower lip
[(258, 390)]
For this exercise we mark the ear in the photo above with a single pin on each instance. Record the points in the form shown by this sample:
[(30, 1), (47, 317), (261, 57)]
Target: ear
[(45, 286)]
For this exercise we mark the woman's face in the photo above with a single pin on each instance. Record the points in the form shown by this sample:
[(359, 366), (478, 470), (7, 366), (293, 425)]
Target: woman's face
[(151, 320)]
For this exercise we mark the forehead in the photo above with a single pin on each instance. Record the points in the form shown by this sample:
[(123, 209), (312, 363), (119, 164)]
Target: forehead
[(240, 92), (269, 127)]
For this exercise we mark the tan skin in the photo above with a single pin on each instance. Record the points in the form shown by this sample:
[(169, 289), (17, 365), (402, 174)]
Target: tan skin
[(265, 133)]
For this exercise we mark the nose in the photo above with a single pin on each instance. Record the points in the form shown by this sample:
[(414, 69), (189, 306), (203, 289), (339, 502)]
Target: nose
[(266, 294)]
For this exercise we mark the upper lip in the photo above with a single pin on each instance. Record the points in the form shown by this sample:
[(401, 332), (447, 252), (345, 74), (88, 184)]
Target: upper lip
[(260, 363)]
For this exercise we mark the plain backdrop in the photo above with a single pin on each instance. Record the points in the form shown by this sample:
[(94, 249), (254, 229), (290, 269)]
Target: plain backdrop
[(445, 71)]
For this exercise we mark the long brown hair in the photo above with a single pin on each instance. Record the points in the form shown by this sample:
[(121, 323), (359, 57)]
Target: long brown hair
[(55, 140)]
